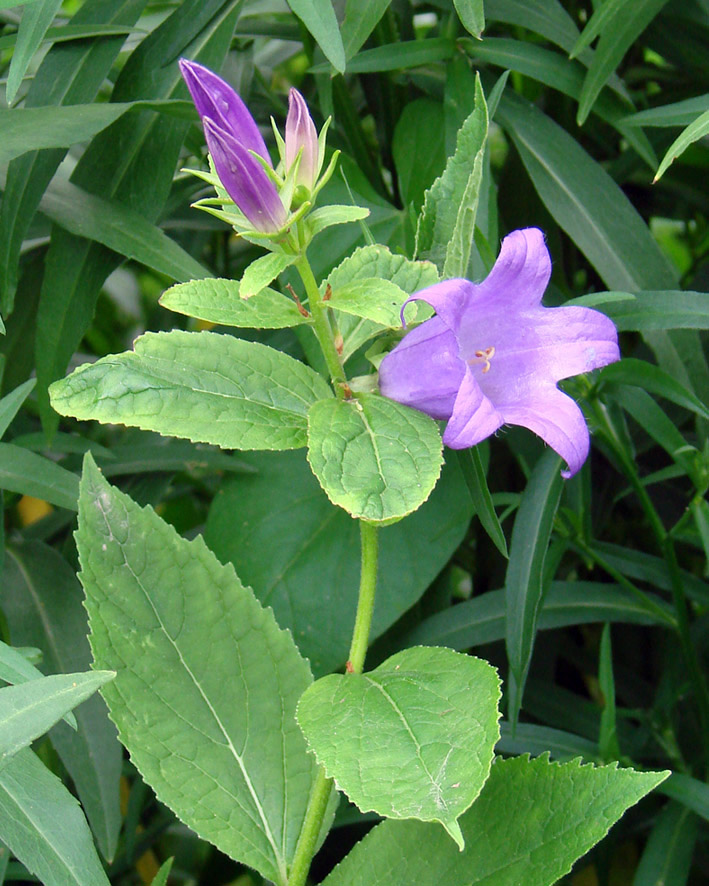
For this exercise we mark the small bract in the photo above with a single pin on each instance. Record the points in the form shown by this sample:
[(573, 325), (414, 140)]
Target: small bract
[(493, 354)]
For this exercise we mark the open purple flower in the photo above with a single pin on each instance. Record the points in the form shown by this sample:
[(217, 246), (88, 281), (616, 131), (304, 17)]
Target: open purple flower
[(493, 355), (233, 138), (301, 134)]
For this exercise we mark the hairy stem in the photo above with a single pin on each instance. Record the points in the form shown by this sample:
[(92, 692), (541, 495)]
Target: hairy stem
[(308, 839)]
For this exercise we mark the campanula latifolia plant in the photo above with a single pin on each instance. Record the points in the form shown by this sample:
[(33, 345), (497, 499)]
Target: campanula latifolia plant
[(382, 411)]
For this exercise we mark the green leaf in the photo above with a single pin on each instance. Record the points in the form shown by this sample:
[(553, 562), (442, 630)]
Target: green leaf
[(472, 15), (545, 17), (41, 599), (524, 582), (204, 386), (29, 709), (447, 222), (314, 549), (10, 403), (690, 792), (66, 76), (585, 201), (397, 56), (263, 271), (160, 878), (36, 19), (620, 23), (560, 811), (44, 827), (675, 114), (219, 301), (630, 371), (667, 857), (648, 311), (16, 669), (326, 216), (418, 149), (608, 738), (29, 474), (70, 32), (696, 130), (225, 755), (427, 718), (482, 620), (372, 299), (359, 22), (474, 473), (375, 458), (32, 129), (319, 18), (119, 228), (369, 262)]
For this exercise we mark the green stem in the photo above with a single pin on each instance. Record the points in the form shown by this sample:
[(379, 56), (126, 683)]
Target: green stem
[(321, 325), (320, 794), (308, 839), (369, 539)]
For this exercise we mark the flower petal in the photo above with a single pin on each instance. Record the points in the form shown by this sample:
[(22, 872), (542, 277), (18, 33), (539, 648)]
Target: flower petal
[(474, 417), (245, 180), (217, 101), (520, 274), (557, 419), (424, 370), (301, 133), (449, 299)]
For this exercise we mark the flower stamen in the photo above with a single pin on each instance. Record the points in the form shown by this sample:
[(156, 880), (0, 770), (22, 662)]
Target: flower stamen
[(485, 356)]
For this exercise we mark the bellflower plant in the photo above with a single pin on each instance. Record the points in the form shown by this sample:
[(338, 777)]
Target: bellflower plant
[(301, 136), (493, 354)]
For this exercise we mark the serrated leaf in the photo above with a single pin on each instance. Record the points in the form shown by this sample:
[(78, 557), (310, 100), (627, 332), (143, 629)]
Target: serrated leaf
[(219, 301), (264, 271), (560, 810), (447, 222), (319, 18), (15, 669), (225, 754), (414, 738), (375, 458), (524, 582), (207, 387), (44, 827), (29, 709), (372, 299)]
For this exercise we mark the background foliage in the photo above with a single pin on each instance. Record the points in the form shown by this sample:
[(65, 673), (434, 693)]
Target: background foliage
[(585, 99)]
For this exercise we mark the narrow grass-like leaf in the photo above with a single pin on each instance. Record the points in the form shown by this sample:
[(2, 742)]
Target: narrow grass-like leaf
[(29, 474), (696, 130), (472, 467), (41, 599), (651, 378), (397, 56), (622, 24), (319, 18), (16, 669), (44, 827), (608, 738), (674, 114), (10, 403), (375, 458), (472, 15), (207, 387), (585, 201), (667, 857), (225, 754), (560, 811), (445, 228), (219, 301), (29, 709), (70, 32), (655, 422), (36, 19), (543, 741), (428, 720), (524, 582), (359, 22), (690, 792), (160, 878), (651, 311)]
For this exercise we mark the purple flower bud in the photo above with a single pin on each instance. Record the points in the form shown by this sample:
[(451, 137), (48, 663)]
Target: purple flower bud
[(215, 100), (301, 133), (493, 355), (245, 180)]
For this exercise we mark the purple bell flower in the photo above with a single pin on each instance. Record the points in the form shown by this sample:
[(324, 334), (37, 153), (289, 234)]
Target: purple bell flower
[(493, 355), (232, 135), (301, 134)]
